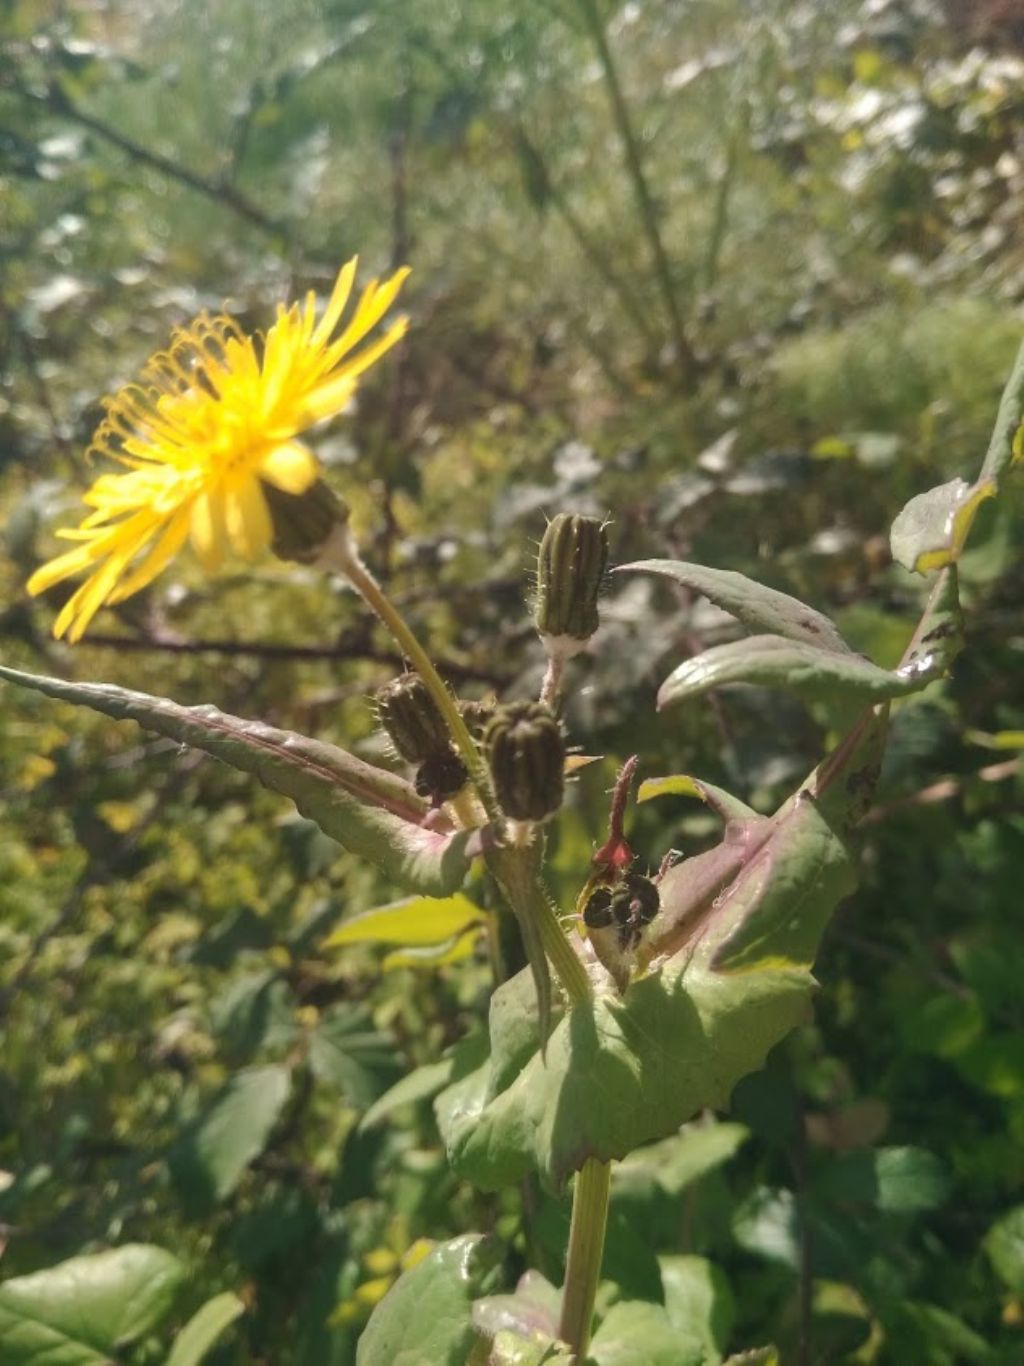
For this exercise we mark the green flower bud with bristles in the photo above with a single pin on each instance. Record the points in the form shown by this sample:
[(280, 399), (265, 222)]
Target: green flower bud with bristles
[(412, 719), (526, 756), (441, 777), (570, 568), (303, 523)]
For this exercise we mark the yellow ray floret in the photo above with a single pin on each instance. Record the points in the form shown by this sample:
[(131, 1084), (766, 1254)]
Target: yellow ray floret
[(211, 420)]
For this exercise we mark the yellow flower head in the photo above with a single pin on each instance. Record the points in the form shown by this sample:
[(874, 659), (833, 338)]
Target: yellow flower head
[(210, 422)]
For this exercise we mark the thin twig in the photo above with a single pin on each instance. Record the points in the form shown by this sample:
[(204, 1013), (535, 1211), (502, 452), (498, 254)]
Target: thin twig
[(220, 191), (685, 355), (249, 649)]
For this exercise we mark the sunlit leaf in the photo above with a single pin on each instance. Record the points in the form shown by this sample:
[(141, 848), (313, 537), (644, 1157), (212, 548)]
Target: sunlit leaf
[(204, 1328), (82, 1311), (932, 529), (431, 956), (427, 1313), (633, 1331), (373, 813), (774, 662), (759, 608), (416, 920), (699, 1302), (681, 784)]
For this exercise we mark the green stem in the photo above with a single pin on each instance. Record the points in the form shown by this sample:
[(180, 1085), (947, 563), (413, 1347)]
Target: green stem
[(685, 356), (586, 1250), (351, 564), (515, 868)]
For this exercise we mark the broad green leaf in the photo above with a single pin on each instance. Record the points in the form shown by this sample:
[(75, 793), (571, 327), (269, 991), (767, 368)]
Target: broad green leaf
[(82, 1311), (204, 1328), (1004, 1243), (427, 1313), (931, 531), (346, 1052), (896, 1180), (758, 608), (774, 662), (372, 813), (1006, 446), (633, 1332), (677, 1162), (766, 1225), (415, 920), (520, 1112), (699, 1302), (209, 1159), (682, 785), (731, 947)]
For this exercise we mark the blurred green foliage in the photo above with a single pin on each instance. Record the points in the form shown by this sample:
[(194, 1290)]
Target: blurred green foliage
[(749, 308)]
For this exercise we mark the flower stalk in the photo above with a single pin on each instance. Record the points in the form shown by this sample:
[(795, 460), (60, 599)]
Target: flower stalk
[(585, 1254)]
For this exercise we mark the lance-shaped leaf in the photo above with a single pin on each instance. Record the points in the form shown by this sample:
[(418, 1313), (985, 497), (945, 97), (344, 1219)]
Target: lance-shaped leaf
[(729, 957), (372, 813), (758, 608), (683, 785), (774, 662)]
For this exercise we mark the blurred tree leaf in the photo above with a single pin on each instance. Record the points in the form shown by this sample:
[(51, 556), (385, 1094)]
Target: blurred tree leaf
[(209, 1159), (347, 1054), (699, 1302), (895, 1180), (1004, 1243), (204, 1328), (634, 1331)]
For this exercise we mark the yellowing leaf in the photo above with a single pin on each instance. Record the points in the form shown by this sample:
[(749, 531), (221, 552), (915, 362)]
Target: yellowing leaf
[(453, 950), (413, 921), (574, 762), (683, 785), (832, 448)]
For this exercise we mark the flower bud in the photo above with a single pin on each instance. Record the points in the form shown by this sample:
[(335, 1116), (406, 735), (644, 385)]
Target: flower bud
[(441, 777), (526, 755), (570, 567), (303, 522), (476, 716), (412, 719)]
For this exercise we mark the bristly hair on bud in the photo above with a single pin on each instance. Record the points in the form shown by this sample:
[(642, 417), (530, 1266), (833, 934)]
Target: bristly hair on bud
[(526, 756), (570, 568), (412, 719), (303, 523)]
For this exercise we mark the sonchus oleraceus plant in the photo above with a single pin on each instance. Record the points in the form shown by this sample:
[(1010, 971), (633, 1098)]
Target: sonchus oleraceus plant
[(645, 1001)]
